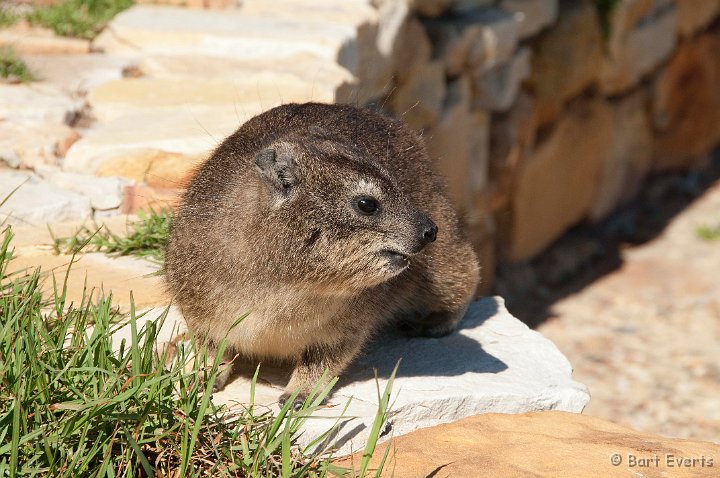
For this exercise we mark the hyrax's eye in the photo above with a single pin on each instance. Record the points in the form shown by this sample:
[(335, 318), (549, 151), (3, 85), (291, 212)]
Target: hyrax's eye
[(367, 205)]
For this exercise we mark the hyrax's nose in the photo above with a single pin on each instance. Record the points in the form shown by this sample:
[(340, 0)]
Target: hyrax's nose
[(428, 230), (430, 234)]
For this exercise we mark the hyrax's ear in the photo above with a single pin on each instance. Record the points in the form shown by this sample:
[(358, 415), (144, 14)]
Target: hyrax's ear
[(278, 169)]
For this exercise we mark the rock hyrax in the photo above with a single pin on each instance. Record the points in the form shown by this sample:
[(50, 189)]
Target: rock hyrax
[(324, 222)]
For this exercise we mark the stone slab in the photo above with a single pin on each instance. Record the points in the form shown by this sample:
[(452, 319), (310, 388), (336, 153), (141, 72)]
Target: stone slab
[(686, 104), (542, 445), (26, 40), (106, 194), (114, 99), (555, 188), (28, 144), (497, 89), (41, 236), (532, 15), (459, 144), (37, 202), (37, 102), (493, 364), (566, 59), (642, 36), (154, 29), (302, 68), (62, 70), (479, 40), (101, 273), (347, 11), (695, 15), (189, 133)]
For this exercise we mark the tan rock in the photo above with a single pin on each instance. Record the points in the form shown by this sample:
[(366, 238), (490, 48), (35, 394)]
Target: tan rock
[(30, 144), (459, 144), (191, 134), (413, 49), (26, 40), (480, 40), (629, 159), (512, 140), (121, 275), (195, 3), (37, 102), (695, 15), (566, 59), (429, 8), (369, 56), (497, 89), (63, 145), (62, 70), (533, 15), (301, 68), (157, 168), (419, 100), (642, 36), (543, 444), (142, 196), (275, 32), (345, 12), (686, 103), (556, 187), (118, 98)]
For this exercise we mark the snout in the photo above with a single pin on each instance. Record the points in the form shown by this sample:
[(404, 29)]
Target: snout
[(418, 233), (427, 232)]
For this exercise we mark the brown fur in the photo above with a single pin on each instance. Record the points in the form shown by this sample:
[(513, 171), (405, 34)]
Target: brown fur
[(269, 226)]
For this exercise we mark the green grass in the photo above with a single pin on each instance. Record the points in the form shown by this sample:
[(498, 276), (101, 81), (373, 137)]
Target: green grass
[(78, 18), (74, 402), (7, 17), (12, 68), (146, 238), (709, 233)]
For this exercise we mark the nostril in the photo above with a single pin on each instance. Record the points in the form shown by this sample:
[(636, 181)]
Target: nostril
[(430, 233)]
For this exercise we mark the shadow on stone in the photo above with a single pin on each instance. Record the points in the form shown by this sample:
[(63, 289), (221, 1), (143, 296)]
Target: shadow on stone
[(452, 355)]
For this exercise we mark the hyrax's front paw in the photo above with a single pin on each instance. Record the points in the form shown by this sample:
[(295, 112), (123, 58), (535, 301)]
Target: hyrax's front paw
[(297, 403), (434, 325)]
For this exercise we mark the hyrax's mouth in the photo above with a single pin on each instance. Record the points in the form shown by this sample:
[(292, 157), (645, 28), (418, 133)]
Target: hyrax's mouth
[(395, 258)]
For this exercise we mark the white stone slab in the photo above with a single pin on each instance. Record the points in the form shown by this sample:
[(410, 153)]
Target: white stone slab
[(37, 102), (493, 364), (36, 202), (232, 33), (76, 73), (106, 194)]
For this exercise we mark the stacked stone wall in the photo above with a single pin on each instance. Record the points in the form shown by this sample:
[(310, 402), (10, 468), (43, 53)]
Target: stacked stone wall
[(545, 113)]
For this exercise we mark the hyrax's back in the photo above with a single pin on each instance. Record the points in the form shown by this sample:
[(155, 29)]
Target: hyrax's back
[(324, 222)]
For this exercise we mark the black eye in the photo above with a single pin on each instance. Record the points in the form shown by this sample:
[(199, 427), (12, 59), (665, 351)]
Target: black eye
[(367, 205)]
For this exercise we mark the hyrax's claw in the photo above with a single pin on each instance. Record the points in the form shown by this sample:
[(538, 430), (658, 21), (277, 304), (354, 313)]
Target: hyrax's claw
[(297, 404)]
